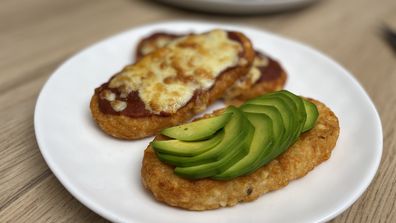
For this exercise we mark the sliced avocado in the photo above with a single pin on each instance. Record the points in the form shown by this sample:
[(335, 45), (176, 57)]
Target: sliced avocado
[(299, 112), (198, 130), (234, 132), (183, 148), (231, 152), (301, 115), (252, 136), (312, 115), (260, 147), (310, 118), (281, 135), (287, 110), (272, 112)]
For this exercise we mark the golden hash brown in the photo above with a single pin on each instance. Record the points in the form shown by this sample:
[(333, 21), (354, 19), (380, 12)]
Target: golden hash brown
[(125, 127), (311, 149)]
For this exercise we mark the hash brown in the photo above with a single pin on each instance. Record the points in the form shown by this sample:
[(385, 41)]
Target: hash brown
[(311, 149), (125, 127)]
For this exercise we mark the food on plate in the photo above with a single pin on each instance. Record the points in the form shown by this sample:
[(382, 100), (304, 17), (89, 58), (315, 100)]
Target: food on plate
[(266, 74), (171, 84), (251, 150), (253, 135)]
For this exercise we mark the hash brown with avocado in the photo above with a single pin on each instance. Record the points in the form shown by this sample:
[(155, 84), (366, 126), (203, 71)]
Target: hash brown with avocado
[(311, 149)]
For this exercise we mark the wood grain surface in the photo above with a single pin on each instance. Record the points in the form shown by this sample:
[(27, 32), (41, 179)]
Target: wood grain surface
[(37, 36)]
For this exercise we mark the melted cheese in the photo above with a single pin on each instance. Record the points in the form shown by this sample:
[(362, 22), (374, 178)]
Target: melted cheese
[(254, 72), (150, 46), (246, 82), (167, 78)]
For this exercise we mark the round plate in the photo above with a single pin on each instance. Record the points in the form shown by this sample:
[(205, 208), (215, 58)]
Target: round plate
[(104, 173), (238, 6)]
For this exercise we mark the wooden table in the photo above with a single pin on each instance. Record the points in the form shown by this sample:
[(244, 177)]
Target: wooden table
[(36, 36)]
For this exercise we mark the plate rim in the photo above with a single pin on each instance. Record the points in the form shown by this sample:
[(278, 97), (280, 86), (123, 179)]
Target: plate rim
[(93, 206), (238, 7)]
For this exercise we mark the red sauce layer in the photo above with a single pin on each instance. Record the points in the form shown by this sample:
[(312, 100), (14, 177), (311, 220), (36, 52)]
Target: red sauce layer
[(271, 71), (135, 106)]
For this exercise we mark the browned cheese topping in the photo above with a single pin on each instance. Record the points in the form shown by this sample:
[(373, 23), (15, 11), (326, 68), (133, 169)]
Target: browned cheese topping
[(166, 80)]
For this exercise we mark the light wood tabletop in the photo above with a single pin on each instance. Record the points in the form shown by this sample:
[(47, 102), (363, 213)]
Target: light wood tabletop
[(37, 36)]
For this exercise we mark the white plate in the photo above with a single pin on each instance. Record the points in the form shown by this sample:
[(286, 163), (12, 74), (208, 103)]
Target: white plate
[(239, 6), (104, 173)]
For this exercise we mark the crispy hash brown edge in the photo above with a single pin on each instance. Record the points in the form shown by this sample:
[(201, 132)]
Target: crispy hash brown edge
[(311, 149), (125, 127)]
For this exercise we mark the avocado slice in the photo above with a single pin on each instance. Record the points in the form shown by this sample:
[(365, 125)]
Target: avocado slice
[(301, 114), (312, 115), (281, 136), (198, 130), (231, 151), (287, 110), (298, 109), (272, 112), (288, 107), (260, 147), (183, 148), (234, 132)]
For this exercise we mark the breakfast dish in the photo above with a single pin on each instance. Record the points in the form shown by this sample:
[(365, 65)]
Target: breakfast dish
[(172, 84), (104, 173), (212, 174), (266, 74)]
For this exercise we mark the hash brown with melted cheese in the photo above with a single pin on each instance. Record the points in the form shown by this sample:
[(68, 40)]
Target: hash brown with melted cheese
[(126, 127)]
